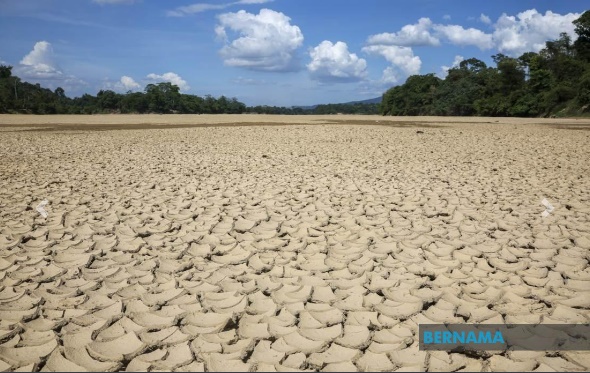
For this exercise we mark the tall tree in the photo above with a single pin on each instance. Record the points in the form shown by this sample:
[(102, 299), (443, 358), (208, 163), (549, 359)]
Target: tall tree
[(5, 71), (108, 100), (582, 44)]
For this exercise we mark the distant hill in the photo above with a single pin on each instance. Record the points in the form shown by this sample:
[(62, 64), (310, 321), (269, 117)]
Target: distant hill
[(376, 100), (305, 107)]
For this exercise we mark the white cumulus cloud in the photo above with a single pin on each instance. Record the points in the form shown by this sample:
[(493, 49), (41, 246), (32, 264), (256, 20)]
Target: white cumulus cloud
[(427, 33), (390, 76), (267, 41), (529, 30), (39, 63), (445, 69), (459, 35), (39, 66), (513, 35), (402, 59), (334, 63), (126, 83), (170, 77), (410, 35)]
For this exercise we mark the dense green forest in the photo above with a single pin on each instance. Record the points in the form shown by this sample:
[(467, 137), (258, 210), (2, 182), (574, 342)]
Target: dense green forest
[(17, 96), (555, 81)]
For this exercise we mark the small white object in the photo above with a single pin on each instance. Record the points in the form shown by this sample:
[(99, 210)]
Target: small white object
[(548, 208), (547, 204), (40, 208)]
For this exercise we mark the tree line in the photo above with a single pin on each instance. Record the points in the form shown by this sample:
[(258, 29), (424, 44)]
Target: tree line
[(555, 81), (17, 96), (348, 108)]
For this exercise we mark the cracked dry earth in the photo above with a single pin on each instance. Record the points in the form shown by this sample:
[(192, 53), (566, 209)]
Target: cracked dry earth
[(290, 247)]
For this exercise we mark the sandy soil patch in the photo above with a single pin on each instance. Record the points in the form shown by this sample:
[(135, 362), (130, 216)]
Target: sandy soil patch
[(92, 121)]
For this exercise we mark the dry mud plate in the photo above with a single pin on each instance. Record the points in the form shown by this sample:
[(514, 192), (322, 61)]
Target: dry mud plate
[(318, 243)]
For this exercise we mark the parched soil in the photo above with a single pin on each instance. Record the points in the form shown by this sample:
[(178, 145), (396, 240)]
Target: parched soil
[(255, 242)]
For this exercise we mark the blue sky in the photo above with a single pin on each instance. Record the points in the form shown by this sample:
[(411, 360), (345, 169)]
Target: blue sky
[(281, 52)]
